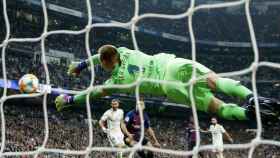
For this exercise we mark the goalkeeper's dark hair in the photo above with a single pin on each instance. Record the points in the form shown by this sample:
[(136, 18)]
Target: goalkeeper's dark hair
[(108, 52)]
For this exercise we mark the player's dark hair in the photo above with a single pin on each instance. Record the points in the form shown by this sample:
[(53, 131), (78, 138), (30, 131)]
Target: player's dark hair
[(141, 98), (108, 52), (115, 100)]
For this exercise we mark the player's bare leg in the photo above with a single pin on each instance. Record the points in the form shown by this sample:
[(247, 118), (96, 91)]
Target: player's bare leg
[(219, 154), (120, 154), (132, 142)]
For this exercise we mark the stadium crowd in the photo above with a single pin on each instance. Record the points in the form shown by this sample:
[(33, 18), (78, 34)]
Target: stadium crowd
[(69, 130), (219, 28)]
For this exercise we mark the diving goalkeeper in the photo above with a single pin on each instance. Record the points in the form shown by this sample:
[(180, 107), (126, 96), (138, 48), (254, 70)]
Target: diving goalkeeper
[(124, 65)]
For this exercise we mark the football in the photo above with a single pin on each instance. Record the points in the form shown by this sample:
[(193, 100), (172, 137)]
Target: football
[(28, 83)]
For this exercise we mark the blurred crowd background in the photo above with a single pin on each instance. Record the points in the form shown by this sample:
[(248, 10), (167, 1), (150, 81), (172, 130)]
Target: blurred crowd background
[(69, 130)]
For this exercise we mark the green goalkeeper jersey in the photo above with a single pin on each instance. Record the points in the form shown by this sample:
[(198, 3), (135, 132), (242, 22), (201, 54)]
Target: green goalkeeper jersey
[(153, 67)]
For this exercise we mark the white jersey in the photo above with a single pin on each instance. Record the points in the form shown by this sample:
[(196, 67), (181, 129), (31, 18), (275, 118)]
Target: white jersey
[(113, 119), (217, 135)]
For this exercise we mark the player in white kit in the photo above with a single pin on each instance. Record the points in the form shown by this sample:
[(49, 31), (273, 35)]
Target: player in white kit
[(112, 124), (217, 132)]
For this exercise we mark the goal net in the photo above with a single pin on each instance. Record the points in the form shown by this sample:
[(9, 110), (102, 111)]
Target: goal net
[(132, 26)]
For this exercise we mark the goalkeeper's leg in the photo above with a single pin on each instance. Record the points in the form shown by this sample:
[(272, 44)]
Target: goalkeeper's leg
[(232, 111), (269, 108), (228, 111), (227, 86), (181, 70), (206, 101)]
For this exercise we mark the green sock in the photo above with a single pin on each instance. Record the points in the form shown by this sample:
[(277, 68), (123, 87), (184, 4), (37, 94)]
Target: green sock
[(232, 88), (232, 112)]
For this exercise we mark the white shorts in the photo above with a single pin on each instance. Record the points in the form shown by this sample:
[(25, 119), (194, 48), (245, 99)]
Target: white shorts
[(218, 148), (116, 138)]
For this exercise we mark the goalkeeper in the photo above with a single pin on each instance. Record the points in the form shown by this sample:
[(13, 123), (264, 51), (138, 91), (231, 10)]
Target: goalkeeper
[(124, 65)]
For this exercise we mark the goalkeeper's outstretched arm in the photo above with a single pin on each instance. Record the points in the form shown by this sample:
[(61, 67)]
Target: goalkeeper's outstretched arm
[(80, 99), (108, 58), (75, 68), (64, 100)]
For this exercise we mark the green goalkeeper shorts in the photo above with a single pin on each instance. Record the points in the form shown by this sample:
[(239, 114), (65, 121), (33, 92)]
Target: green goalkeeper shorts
[(180, 69)]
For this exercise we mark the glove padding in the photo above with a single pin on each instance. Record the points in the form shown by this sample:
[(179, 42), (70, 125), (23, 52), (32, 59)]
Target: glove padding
[(61, 102), (73, 69)]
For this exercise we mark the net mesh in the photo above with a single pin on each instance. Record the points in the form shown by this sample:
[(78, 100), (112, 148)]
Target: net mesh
[(132, 26)]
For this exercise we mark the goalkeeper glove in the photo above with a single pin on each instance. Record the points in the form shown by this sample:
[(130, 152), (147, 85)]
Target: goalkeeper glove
[(62, 101), (75, 68)]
